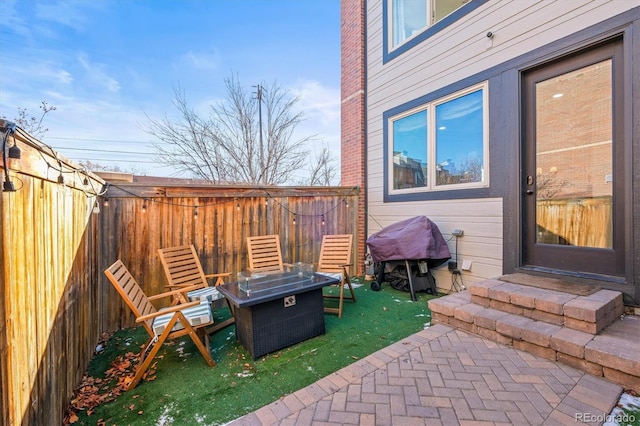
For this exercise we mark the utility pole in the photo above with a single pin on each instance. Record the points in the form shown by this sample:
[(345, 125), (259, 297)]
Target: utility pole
[(259, 97)]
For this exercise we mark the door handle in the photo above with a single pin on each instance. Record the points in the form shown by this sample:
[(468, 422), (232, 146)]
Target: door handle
[(529, 183)]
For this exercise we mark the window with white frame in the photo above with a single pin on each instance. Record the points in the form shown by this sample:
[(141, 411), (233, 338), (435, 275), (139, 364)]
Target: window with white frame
[(440, 145), (410, 17)]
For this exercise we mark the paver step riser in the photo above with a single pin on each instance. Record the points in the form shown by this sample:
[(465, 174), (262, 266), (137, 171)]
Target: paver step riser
[(590, 314), (592, 361), (571, 337)]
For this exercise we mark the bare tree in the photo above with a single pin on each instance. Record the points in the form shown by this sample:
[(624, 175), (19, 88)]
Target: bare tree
[(33, 124), (97, 167), (228, 146), (323, 171), (548, 185), (470, 170)]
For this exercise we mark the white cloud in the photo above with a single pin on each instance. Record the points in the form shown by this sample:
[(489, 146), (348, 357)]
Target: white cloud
[(39, 73), (96, 75), (199, 61), (321, 108), (12, 19), (319, 102), (64, 77), (82, 128), (70, 13)]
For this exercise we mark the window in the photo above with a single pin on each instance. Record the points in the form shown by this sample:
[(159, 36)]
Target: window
[(410, 151), (440, 145), (411, 17)]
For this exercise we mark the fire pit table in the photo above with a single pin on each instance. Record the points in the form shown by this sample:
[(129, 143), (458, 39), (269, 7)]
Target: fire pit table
[(273, 311)]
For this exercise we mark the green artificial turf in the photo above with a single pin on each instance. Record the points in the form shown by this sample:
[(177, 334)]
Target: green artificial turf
[(188, 392)]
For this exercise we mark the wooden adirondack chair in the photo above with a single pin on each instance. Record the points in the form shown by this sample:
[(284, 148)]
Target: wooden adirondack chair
[(335, 260), (265, 255), (183, 269), (169, 323)]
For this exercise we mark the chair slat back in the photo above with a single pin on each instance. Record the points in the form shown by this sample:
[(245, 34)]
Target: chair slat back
[(182, 266), (264, 253), (335, 252), (130, 291)]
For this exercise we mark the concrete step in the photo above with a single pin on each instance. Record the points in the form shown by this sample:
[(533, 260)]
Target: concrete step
[(560, 327), (590, 313)]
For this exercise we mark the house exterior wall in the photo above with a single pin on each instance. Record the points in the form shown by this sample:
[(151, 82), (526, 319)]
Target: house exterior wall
[(526, 33)]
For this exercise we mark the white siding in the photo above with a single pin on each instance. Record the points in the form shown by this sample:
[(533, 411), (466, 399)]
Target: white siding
[(481, 221), (457, 52)]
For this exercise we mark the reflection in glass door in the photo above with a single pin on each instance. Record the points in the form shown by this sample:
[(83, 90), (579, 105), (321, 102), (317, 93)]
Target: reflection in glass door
[(573, 166)]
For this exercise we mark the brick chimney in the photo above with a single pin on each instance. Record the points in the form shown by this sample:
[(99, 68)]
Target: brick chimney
[(352, 96)]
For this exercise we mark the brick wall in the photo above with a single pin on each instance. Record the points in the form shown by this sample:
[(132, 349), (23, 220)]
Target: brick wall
[(574, 132), (352, 110)]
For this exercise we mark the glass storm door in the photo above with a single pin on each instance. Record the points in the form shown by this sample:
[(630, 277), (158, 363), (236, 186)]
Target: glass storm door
[(573, 174)]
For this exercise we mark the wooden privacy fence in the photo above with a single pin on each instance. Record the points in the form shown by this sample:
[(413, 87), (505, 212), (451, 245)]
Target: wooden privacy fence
[(140, 219), (51, 299), (585, 222), (59, 232)]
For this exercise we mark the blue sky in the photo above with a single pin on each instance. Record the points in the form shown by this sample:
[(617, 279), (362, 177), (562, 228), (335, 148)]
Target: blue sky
[(107, 64)]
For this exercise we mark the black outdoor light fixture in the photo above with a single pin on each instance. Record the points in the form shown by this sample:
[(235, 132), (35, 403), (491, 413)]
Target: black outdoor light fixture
[(13, 152)]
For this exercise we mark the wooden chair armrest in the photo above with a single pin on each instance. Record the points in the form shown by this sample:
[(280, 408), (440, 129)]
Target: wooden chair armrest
[(178, 286), (219, 277), (224, 274), (175, 308), (172, 292)]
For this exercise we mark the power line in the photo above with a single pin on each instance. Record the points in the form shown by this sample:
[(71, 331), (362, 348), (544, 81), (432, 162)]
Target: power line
[(106, 160), (101, 140), (111, 151)]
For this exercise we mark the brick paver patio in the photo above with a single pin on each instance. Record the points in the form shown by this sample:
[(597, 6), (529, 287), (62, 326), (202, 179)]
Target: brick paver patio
[(443, 376)]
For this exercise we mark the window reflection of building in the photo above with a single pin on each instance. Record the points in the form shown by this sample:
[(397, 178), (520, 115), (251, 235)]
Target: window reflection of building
[(459, 152), (574, 158), (448, 173), (408, 172)]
